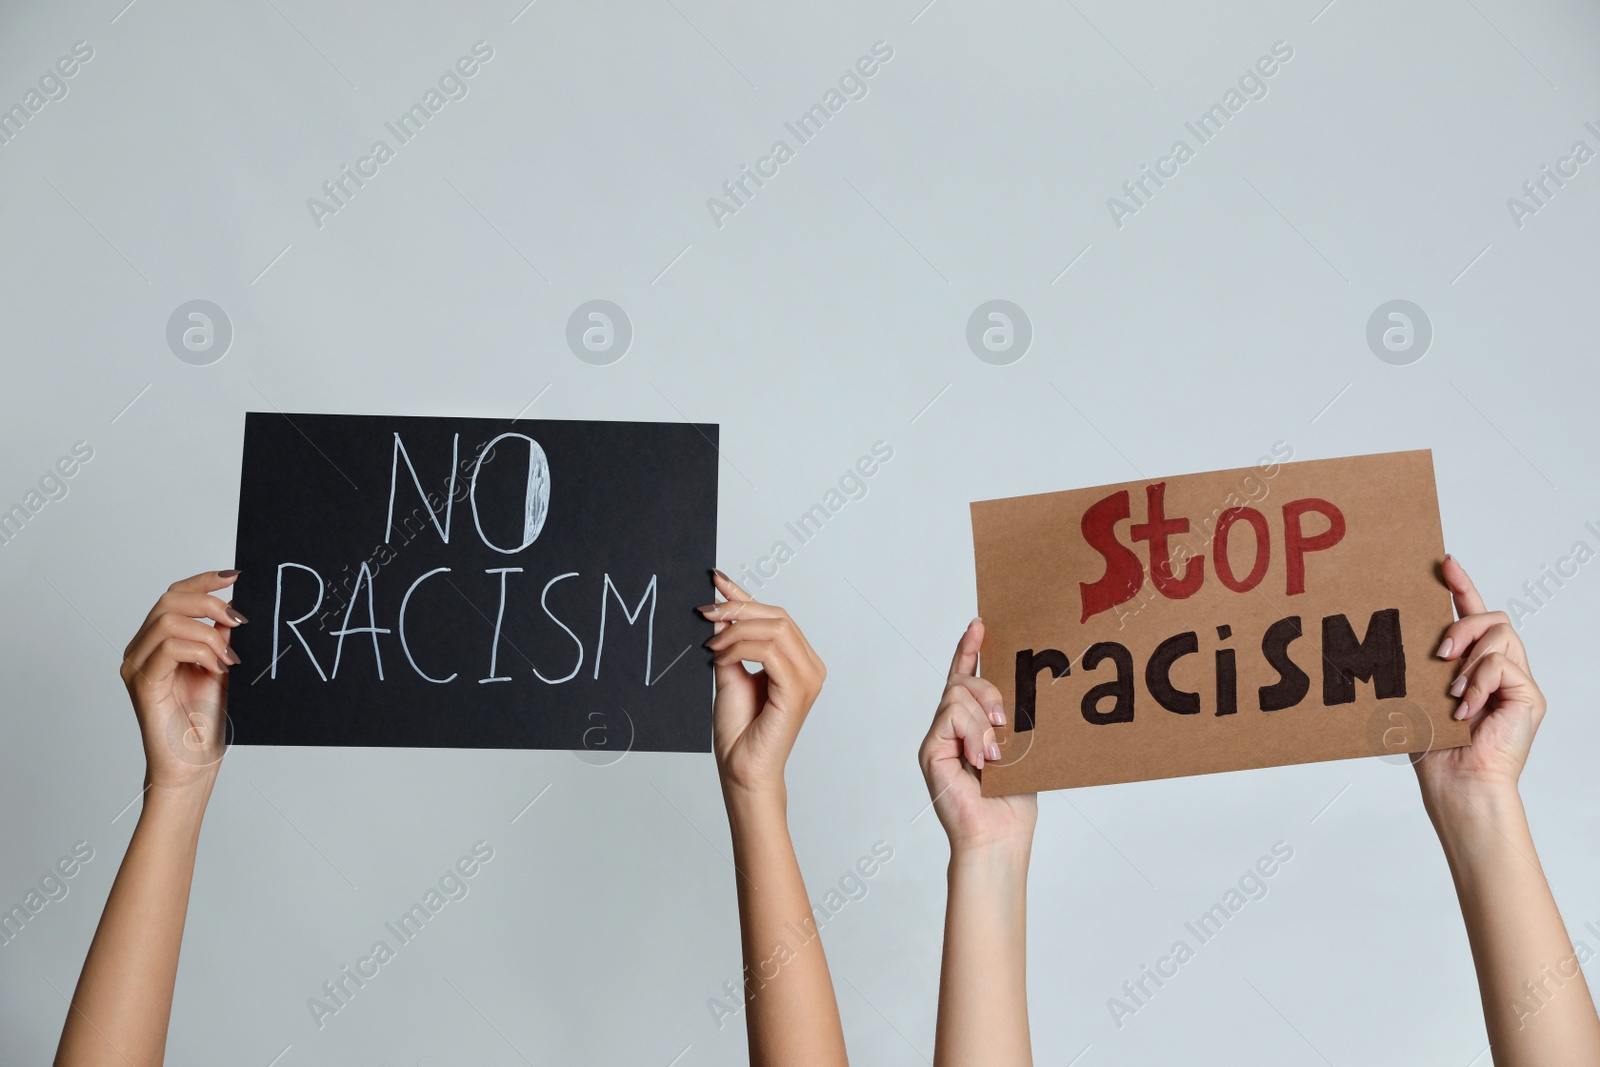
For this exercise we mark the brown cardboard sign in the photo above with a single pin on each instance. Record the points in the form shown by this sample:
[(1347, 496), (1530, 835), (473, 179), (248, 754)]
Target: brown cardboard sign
[(1281, 613)]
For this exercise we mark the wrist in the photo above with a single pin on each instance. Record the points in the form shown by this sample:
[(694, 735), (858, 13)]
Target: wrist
[(1478, 825), (1471, 804), (755, 803), (1007, 858), (182, 799)]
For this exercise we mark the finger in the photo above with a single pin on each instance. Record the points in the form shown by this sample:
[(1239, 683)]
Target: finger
[(1460, 635), (1462, 591), (169, 627), (965, 660), (987, 694), (777, 662), (1496, 677), (783, 633), (728, 587), (749, 630), (739, 610), (973, 729), (204, 582), (169, 652), (960, 729), (196, 606), (1500, 638)]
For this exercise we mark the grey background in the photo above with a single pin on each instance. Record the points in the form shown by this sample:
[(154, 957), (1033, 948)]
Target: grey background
[(828, 314)]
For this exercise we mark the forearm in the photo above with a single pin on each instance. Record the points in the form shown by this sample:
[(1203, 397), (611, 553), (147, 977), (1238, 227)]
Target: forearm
[(791, 1014), (120, 1010), (983, 996), (1536, 1003)]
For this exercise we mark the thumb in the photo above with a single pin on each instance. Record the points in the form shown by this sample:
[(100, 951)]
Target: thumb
[(736, 697), (965, 660)]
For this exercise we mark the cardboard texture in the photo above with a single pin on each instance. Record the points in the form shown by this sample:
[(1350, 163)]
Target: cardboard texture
[(474, 583), (1282, 613)]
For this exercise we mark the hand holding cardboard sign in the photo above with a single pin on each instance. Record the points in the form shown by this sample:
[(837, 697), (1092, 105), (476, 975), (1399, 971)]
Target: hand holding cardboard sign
[(1499, 698), (983, 996), (1520, 946), (960, 741)]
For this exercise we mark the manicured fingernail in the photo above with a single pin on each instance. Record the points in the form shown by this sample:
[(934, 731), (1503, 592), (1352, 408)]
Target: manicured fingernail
[(226, 574), (706, 609), (230, 656), (991, 751), (1464, 710), (997, 714), (237, 617), (1444, 647), (719, 574), (1458, 686)]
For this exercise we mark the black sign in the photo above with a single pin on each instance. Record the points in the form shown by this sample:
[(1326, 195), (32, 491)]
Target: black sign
[(474, 583)]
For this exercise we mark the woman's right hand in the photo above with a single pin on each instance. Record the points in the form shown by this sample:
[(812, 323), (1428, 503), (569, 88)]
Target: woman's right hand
[(176, 671), (958, 744), (1499, 699)]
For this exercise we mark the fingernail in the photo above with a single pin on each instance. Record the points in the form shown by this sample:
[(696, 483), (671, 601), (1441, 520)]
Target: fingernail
[(998, 714), (226, 574), (1464, 710), (230, 656), (991, 751), (1444, 647), (237, 617), (719, 574), (1458, 686), (706, 609)]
